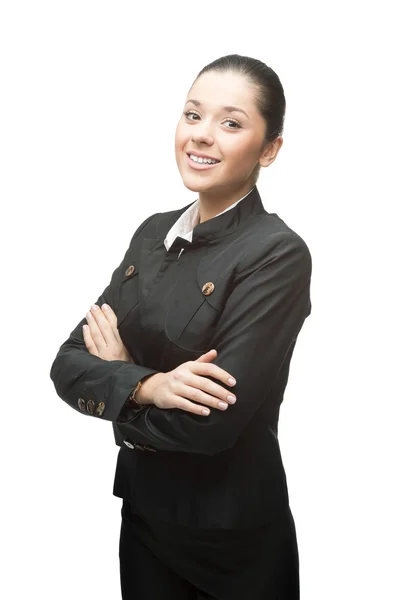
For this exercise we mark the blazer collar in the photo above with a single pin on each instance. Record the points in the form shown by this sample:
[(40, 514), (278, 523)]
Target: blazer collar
[(218, 227)]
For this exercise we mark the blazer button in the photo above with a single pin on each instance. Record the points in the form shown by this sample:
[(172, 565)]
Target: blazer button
[(208, 288), (129, 271), (81, 404), (100, 408), (90, 406)]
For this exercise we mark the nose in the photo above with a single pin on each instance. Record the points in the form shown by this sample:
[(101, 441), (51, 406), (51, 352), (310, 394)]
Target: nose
[(203, 133)]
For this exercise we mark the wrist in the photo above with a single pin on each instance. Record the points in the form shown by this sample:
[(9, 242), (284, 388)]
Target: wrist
[(145, 394)]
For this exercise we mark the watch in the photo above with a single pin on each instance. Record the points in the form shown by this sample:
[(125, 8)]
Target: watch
[(131, 398)]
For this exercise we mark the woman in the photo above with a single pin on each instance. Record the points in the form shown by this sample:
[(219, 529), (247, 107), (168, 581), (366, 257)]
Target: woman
[(187, 352)]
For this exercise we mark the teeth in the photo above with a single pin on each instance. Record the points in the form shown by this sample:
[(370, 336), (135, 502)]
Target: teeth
[(200, 159)]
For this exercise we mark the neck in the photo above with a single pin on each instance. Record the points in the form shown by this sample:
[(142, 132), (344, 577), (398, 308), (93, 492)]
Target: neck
[(211, 203)]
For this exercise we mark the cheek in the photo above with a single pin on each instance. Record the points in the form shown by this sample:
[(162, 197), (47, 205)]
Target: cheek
[(180, 136), (179, 145), (240, 154)]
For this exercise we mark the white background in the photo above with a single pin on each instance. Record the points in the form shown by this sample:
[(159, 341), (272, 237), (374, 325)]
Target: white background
[(91, 93)]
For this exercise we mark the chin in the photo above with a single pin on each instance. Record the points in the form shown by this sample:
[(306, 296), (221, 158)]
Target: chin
[(196, 186), (193, 188), (189, 186), (197, 182)]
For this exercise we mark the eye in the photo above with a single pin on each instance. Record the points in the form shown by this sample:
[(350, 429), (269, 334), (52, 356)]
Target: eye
[(238, 126), (190, 112)]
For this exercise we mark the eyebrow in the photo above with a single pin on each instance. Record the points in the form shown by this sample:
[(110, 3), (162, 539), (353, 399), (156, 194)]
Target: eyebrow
[(228, 108)]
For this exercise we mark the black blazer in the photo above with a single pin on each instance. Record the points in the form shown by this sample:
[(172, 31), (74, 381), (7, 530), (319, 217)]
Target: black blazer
[(224, 470)]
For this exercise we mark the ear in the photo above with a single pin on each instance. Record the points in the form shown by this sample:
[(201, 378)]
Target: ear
[(270, 153)]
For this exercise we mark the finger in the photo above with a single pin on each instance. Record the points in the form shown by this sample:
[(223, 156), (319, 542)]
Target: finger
[(95, 332), (210, 355), (198, 395), (104, 326), (186, 405), (207, 389), (88, 340), (112, 319), (210, 370)]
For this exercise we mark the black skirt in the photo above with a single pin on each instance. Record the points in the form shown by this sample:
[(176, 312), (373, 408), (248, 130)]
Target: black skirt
[(161, 561)]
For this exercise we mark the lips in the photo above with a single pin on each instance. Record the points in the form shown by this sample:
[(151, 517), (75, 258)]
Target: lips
[(202, 155), (202, 166)]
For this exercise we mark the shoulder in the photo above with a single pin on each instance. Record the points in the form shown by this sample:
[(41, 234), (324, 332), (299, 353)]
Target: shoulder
[(270, 241), (145, 224)]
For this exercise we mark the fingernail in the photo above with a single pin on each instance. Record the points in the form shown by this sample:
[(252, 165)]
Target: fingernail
[(205, 411), (88, 315), (223, 405), (105, 306), (94, 307), (231, 381), (231, 399)]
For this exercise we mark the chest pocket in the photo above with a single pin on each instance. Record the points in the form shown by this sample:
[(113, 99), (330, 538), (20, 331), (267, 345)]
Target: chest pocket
[(128, 292), (195, 309)]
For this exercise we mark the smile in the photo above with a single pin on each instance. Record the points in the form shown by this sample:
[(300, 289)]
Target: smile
[(200, 166)]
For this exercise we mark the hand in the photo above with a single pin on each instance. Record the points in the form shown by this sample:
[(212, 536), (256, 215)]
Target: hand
[(189, 381), (101, 335)]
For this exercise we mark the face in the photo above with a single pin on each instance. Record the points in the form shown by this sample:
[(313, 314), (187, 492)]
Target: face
[(210, 127)]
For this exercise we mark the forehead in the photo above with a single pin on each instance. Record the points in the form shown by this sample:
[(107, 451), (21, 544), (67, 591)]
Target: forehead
[(216, 88)]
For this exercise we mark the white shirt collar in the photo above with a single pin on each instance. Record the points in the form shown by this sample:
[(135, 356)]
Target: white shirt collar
[(185, 224)]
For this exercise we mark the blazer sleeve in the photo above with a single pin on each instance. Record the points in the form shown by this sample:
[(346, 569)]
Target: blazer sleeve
[(257, 328), (94, 386)]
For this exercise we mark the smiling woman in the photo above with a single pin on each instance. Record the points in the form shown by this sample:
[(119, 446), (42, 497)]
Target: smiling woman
[(191, 363), (236, 108)]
